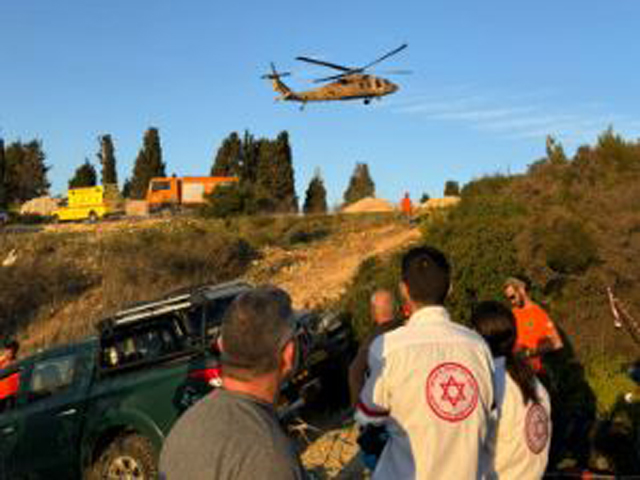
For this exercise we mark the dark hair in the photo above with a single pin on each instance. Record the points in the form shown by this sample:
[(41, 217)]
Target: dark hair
[(497, 325), (255, 328), (426, 273)]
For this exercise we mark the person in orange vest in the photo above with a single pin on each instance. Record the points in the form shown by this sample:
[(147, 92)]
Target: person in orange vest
[(9, 354), (406, 207), (537, 335), (10, 384)]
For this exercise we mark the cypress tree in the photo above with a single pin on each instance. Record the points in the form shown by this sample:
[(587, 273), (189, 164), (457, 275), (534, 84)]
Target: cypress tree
[(126, 188), (148, 164), (316, 199), (85, 176), (3, 183), (25, 171), (107, 160), (284, 185), (275, 186), (250, 158), (228, 161), (451, 189), (360, 186)]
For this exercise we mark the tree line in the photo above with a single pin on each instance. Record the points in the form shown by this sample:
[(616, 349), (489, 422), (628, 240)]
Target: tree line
[(264, 167)]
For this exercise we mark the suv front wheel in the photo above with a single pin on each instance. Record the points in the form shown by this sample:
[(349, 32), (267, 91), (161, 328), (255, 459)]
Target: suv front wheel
[(129, 457)]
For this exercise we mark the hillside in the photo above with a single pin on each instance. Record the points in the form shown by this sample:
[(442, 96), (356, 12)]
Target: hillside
[(60, 281), (65, 278)]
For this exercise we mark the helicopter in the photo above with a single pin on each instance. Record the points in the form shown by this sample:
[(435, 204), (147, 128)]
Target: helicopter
[(351, 84)]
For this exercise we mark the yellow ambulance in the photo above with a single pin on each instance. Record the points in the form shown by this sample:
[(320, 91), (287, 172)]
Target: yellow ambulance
[(90, 203)]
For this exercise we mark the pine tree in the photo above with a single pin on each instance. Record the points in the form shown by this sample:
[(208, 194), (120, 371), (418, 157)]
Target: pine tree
[(148, 164), (360, 186), (451, 189), (3, 184), (316, 199), (85, 176), (26, 171), (228, 161), (107, 160)]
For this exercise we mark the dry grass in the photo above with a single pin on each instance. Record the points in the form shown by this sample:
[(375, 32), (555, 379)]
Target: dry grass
[(63, 281)]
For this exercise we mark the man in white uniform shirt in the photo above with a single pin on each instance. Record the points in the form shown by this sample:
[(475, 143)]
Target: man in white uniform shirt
[(430, 384)]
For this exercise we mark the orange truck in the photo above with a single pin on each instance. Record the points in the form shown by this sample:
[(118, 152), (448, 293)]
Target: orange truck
[(187, 191)]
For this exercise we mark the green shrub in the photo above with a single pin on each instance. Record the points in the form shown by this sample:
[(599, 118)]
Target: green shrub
[(478, 238), (569, 248)]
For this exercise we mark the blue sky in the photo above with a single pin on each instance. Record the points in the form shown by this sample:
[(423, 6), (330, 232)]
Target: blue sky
[(491, 80)]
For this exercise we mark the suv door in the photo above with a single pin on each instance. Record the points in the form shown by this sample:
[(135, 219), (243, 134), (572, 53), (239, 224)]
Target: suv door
[(52, 417)]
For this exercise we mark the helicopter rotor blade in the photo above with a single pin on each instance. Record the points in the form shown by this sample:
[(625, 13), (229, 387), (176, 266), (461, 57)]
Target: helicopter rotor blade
[(324, 64), (332, 77), (394, 72), (384, 57)]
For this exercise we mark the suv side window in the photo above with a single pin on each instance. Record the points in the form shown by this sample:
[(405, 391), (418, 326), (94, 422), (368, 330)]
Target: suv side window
[(152, 341), (214, 311), (51, 376)]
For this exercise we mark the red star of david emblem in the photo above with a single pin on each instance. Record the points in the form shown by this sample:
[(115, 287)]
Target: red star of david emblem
[(539, 428), (458, 395)]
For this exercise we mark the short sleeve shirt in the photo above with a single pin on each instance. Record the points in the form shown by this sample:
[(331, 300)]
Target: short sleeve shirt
[(228, 436), (533, 327), (431, 385)]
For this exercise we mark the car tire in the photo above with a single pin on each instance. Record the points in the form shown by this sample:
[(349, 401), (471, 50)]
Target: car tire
[(129, 456)]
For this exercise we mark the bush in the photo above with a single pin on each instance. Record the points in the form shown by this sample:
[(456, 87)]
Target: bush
[(569, 248), (478, 238)]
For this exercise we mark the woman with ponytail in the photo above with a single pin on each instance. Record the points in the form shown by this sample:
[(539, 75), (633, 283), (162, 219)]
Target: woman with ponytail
[(524, 426)]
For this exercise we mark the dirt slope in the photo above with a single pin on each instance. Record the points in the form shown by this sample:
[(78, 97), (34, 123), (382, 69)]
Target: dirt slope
[(321, 272)]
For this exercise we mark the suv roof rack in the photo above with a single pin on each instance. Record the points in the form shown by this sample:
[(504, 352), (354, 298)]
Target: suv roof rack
[(177, 300)]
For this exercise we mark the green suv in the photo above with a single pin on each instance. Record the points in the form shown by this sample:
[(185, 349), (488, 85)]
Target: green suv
[(101, 408)]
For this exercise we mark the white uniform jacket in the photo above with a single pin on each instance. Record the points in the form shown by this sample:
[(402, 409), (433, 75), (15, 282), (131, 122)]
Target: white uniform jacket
[(524, 431), (431, 383)]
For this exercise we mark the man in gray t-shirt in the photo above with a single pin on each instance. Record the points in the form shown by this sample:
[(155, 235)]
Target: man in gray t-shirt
[(234, 432)]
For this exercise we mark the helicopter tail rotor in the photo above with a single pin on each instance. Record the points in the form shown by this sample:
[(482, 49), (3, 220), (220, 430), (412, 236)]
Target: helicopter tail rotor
[(275, 75)]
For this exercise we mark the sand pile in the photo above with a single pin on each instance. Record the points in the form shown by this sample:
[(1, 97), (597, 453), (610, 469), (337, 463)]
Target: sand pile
[(39, 206), (437, 203), (369, 204)]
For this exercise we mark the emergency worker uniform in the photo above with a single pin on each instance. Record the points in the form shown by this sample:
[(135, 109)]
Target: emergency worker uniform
[(524, 431), (431, 384)]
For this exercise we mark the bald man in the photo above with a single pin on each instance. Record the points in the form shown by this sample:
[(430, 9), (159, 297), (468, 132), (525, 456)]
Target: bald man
[(383, 316)]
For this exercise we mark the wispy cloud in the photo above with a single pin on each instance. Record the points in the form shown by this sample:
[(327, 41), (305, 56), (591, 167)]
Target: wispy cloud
[(516, 115)]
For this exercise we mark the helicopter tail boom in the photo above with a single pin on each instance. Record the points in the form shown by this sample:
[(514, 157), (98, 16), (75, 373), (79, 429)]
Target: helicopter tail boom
[(279, 86)]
